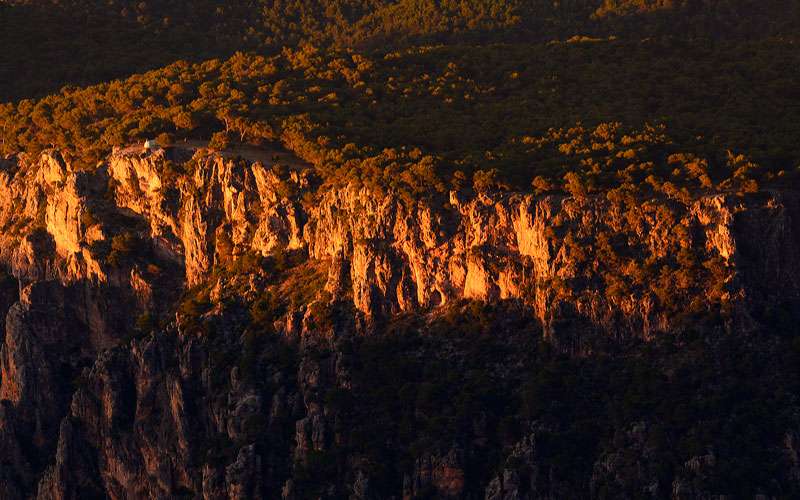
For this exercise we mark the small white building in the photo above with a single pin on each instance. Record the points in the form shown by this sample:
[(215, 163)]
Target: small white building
[(150, 144)]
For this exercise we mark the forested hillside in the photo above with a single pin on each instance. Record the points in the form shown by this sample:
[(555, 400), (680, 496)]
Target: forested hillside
[(486, 108), (52, 43)]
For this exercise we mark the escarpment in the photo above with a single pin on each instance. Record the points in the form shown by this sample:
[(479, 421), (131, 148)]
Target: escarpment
[(184, 323), (617, 263)]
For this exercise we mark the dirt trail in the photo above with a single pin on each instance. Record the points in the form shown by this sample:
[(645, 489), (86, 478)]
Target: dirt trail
[(265, 155)]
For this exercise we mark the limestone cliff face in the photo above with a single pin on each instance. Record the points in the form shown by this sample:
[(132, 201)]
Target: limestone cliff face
[(404, 256), (59, 225), (48, 195)]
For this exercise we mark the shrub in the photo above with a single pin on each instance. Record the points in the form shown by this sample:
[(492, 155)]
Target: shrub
[(574, 185), (87, 218), (219, 141), (125, 247), (145, 323), (191, 310), (265, 309), (165, 139), (485, 180), (541, 185)]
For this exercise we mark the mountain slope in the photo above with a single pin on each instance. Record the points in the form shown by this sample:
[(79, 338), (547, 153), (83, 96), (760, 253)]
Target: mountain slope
[(52, 44), (347, 341), (415, 249)]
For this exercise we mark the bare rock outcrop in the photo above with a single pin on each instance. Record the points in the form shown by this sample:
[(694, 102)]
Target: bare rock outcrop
[(405, 255)]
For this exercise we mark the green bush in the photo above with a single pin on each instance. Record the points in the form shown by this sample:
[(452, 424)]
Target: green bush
[(219, 141), (125, 248)]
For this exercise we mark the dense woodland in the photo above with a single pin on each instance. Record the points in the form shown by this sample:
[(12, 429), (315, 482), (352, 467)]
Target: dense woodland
[(449, 111), (349, 79), (50, 43)]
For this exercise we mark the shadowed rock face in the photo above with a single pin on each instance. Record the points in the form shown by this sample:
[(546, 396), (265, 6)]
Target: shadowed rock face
[(86, 411)]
